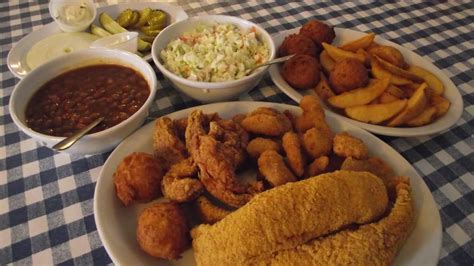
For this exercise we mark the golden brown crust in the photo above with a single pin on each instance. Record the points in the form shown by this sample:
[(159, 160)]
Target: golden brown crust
[(348, 74), (168, 148), (258, 145), (266, 121), (292, 145), (137, 178), (272, 166), (298, 44), (345, 145), (180, 182), (318, 31), (317, 142), (208, 212), (318, 166), (162, 230), (301, 71)]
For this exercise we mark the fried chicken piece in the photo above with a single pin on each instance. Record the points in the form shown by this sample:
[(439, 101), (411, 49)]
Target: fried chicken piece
[(208, 212), (317, 142), (238, 118), (345, 145), (180, 183), (318, 166), (294, 154), (162, 230), (290, 215), (272, 166), (318, 31), (266, 121), (348, 74), (258, 145), (217, 162), (301, 71), (232, 135), (298, 44), (168, 148), (137, 178), (181, 123), (371, 244)]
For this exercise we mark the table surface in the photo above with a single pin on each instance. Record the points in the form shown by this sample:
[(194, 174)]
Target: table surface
[(46, 198)]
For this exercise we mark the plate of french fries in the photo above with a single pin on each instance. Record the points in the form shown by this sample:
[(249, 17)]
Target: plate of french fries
[(413, 98)]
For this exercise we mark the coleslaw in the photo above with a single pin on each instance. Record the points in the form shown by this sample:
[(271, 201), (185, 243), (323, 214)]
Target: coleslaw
[(215, 52)]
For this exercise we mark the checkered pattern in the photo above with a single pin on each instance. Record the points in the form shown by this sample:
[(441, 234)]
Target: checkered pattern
[(46, 213)]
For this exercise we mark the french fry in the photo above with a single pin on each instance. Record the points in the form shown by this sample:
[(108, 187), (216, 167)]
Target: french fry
[(396, 70), (323, 89), (387, 98), (376, 113), (337, 54), (379, 72), (433, 82), (422, 119), (440, 103), (396, 91), (388, 53), (359, 96), (360, 43), (415, 105), (366, 55), (326, 62)]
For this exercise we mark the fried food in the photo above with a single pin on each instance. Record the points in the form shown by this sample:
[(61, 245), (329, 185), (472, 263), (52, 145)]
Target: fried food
[(376, 113), (323, 89), (354, 197), (389, 54), (292, 145), (317, 142), (360, 43), (180, 183), (372, 165), (137, 178), (258, 145), (347, 75), (217, 164), (298, 44), (318, 166), (345, 145), (301, 71), (266, 121), (313, 115), (338, 54), (232, 135), (208, 212), (318, 31), (360, 96), (272, 166), (162, 231), (415, 106), (168, 148), (371, 244)]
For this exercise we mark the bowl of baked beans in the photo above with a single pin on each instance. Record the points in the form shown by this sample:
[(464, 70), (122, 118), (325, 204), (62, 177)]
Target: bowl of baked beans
[(68, 93)]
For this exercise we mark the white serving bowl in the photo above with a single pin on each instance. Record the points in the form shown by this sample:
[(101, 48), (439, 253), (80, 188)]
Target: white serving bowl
[(209, 91), (92, 143)]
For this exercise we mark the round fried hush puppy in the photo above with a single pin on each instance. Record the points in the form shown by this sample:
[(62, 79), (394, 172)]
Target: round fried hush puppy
[(162, 230), (298, 44), (258, 145), (345, 145), (138, 178), (348, 74), (301, 71), (318, 31)]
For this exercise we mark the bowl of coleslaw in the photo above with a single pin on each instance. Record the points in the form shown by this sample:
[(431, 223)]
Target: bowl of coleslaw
[(209, 58)]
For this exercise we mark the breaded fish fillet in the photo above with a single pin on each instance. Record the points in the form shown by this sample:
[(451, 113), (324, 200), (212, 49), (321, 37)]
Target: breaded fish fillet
[(290, 215), (371, 244)]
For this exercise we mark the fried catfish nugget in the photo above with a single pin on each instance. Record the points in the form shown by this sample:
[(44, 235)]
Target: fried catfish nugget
[(272, 166), (317, 142), (345, 145), (313, 115), (318, 166), (180, 183), (298, 44), (294, 153), (162, 230), (168, 148), (208, 212), (301, 71), (266, 121), (137, 178), (318, 31), (258, 145)]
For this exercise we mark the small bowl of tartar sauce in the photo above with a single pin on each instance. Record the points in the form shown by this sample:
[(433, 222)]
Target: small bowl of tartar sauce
[(73, 15)]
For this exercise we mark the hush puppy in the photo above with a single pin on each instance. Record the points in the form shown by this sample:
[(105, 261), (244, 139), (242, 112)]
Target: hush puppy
[(301, 71), (298, 44), (348, 74), (318, 31), (162, 230), (138, 178)]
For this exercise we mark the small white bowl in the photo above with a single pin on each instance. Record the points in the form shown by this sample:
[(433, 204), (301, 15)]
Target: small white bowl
[(126, 41), (92, 143), (209, 91), (58, 7)]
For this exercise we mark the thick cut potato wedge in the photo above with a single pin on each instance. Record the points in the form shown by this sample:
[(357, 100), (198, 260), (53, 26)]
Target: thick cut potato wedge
[(323, 89), (366, 55), (337, 54), (415, 105), (396, 91), (388, 53), (396, 70), (423, 119), (376, 113), (387, 98), (326, 62), (360, 96), (379, 72), (434, 82), (360, 43), (440, 103)]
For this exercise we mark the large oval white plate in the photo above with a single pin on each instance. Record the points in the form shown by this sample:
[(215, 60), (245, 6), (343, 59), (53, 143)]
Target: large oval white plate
[(346, 35), (116, 224), (17, 55)]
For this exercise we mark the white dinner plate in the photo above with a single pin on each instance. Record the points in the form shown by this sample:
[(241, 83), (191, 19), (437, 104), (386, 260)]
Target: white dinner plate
[(346, 35), (16, 59), (116, 224)]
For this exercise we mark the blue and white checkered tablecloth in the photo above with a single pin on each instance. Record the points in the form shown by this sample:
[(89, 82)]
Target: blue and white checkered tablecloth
[(46, 212)]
